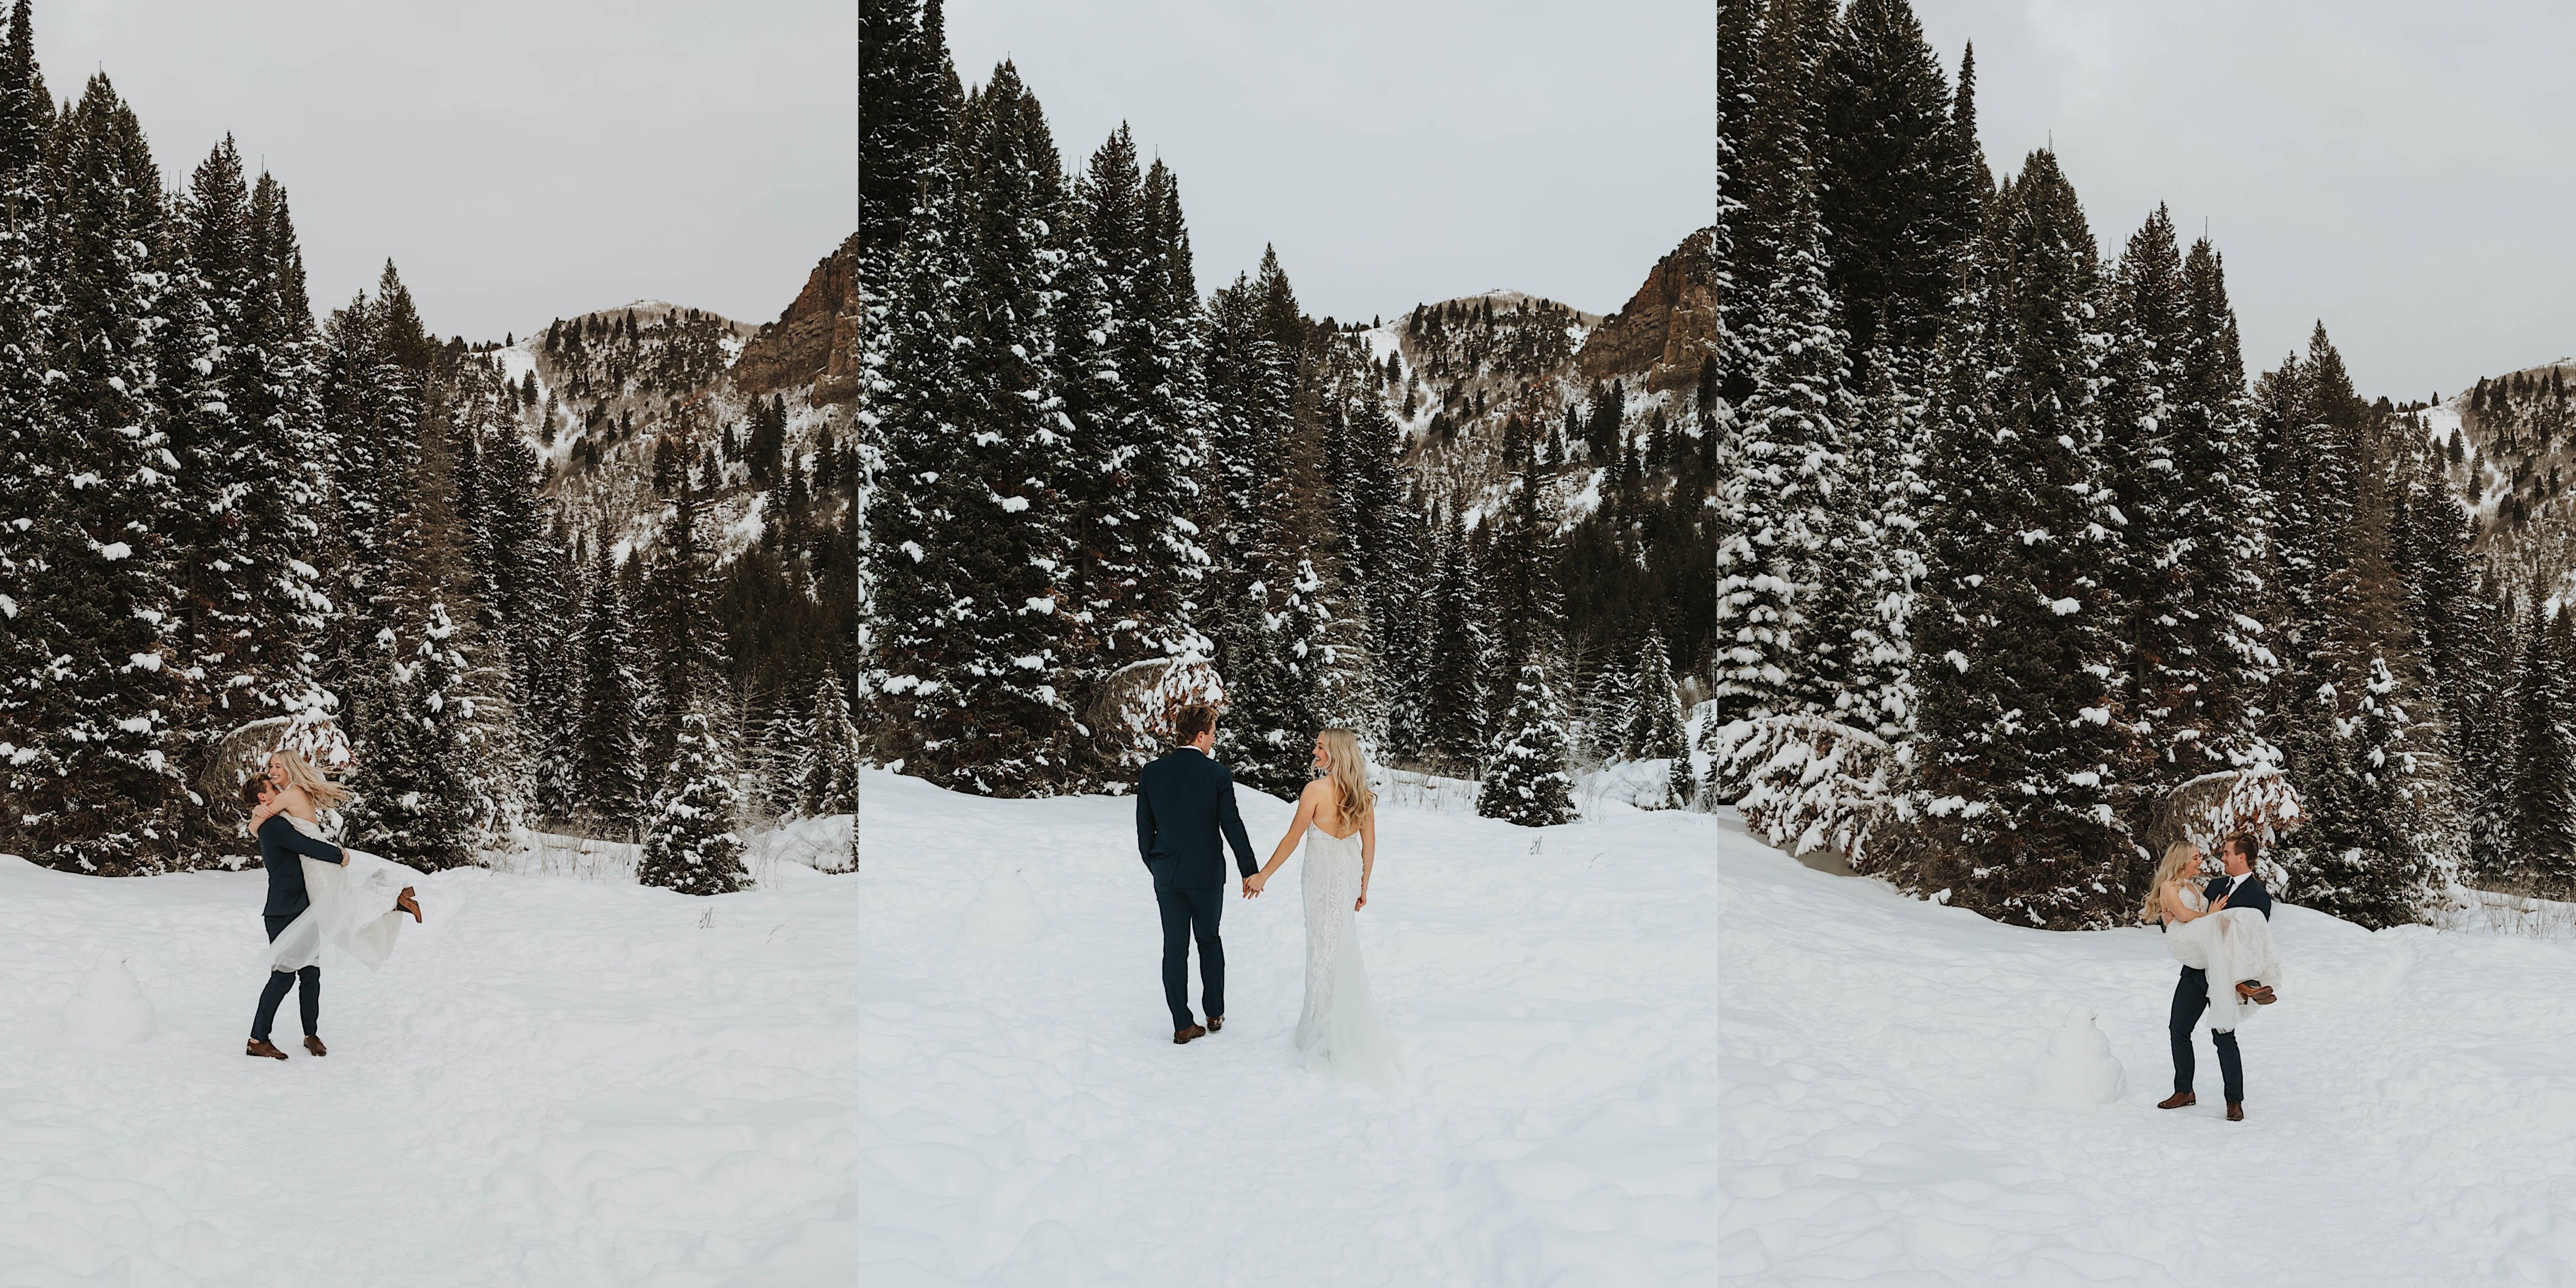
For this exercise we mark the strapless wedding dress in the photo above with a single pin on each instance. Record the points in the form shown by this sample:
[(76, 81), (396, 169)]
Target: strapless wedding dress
[(352, 908), (1339, 1032)]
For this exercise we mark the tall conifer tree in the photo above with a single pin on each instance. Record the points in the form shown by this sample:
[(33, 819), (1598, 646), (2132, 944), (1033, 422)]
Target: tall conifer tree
[(93, 728), (2020, 716)]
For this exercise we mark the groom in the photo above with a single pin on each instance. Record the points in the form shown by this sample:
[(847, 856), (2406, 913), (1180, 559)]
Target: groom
[(1183, 799), (2240, 888), (281, 848)]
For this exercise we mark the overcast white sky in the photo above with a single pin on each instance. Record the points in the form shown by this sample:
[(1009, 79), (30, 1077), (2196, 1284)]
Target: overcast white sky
[(1394, 151), (517, 160), (2403, 171)]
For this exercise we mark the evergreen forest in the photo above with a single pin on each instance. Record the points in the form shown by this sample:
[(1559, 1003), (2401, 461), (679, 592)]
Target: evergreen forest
[(2015, 556), (227, 525), (1973, 547), (1093, 494)]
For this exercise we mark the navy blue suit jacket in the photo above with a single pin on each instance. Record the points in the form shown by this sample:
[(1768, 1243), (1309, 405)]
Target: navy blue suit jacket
[(1183, 800), (279, 847), (2249, 895)]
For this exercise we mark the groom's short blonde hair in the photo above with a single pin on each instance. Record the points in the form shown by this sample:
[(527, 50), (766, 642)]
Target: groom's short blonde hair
[(1194, 719)]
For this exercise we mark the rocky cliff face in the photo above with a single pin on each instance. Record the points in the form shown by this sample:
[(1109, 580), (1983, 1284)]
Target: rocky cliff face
[(814, 342), (1665, 330), (2509, 444)]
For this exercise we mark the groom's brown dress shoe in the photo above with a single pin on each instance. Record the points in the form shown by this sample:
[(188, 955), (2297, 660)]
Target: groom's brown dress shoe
[(2236, 1111), (314, 1045), (262, 1046), (2177, 1100), (1193, 1031), (1215, 1022)]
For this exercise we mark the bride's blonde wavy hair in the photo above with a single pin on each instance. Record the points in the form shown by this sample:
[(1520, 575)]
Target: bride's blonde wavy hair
[(301, 773), (2181, 858), (1348, 768)]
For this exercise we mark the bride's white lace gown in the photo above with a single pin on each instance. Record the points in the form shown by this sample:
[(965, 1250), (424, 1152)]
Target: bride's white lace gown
[(1339, 1032), (352, 907)]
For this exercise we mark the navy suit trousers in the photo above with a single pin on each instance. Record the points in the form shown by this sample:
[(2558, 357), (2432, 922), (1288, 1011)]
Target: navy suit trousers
[(1191, 912), (2191, 997), (308, 999)]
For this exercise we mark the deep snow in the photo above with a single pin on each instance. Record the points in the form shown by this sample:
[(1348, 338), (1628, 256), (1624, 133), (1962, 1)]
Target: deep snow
[(1026, 1120), (556, 1080), (2411, 1114)]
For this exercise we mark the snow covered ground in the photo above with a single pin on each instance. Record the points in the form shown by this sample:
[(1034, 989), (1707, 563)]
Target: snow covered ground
[(2411, 1102), (1025, 1119), (556, 1080)]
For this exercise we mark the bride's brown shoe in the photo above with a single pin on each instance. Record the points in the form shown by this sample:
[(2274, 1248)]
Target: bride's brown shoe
[(405, 903), (2258, 994), (2178, 1100), (314, 1045), (262, 1046)]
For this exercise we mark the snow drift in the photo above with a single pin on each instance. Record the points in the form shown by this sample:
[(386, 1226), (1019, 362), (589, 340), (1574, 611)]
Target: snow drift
[(1025, 1118), (2410, 1104), (554, 1081)]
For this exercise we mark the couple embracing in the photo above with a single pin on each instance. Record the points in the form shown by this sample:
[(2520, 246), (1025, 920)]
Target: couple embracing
[(1184, 804), (2223, 930), (318, 893)]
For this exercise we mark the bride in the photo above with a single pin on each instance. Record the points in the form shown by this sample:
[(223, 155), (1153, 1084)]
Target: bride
[(1336, 815), (2200, 934), (357, 904)]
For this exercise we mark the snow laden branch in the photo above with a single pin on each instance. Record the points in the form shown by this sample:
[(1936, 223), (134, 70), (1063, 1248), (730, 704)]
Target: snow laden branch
[(1134, 706), (241, 753), (2207, 810), (1808, 783)]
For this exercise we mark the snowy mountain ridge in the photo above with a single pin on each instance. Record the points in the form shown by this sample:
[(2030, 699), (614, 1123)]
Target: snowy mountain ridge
[(2509, 444), (597, 422), (1451, 407)]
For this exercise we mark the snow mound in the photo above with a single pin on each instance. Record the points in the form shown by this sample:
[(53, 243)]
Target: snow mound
[(1005, 911), (111, 1009), (2079, 1068)]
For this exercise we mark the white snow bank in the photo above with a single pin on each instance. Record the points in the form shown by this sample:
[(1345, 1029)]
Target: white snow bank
[(1025, 1118), (1636, 784), (810, 845), (554, 1081), (2410, 1106)]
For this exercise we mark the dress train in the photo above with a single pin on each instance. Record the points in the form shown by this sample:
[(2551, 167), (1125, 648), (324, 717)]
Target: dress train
[(1339, 1031), (352, 908)]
